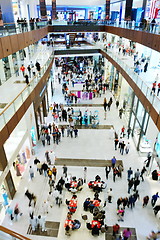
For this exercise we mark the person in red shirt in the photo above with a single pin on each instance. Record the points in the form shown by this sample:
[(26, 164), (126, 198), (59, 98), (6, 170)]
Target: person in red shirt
[(123, 131), (158, 89), (116, 228), (22, 68), (154, 87)]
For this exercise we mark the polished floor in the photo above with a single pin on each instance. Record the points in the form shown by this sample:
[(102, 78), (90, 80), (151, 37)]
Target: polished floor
[(94, 145)]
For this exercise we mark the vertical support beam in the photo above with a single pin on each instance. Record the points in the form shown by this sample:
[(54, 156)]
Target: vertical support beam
[(44, 107), (142, 131), (54, 12), (128, 10), (107, 9), (3, 162), (143, 9), (9, 184), (43, 11)]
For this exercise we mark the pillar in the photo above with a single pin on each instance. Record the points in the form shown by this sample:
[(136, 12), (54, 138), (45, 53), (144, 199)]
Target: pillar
[(43, 11), (128, 10), (44, 106), (107, 9), (7, 11), (9, 184), (10, 60), (54, 13), (2, 73), (143, 9)]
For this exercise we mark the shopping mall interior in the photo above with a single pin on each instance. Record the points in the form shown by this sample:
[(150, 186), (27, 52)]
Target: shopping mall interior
[(79, 119)]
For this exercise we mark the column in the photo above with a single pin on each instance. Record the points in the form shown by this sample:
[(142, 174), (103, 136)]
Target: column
[(2, 73), (10, 60), (143, 8), (107, 9), (7, 11), (43, 11), (54, 13), (128, 10), (44, 106), (9, 184)]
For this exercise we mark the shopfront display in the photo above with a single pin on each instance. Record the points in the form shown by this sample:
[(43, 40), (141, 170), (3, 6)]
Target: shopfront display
[(20, 163)]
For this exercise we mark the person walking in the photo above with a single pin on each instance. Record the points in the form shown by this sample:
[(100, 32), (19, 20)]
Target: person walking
[(65, 170), (75, 132), (130, 184), (142, 172), (85, 174), (105, 104), (113, 161), (54, 171), (43, 140), (62, 131), (120, 112), (122, 146), (48, 138), (115, 228), (127, 148), (26, 79), (137, 174), (145, 201), (107, 170), (129, 173), (22, 68), (128, 132), (29, 70), (127, 233), (116, 143), (136, 183), (31, 172), (110, 195), (154, 199)]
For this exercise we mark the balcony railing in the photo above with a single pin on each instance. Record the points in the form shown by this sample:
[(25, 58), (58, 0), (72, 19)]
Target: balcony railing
[(8, 234), (14, 28), (12, 108), (139, 26), (147, 91)]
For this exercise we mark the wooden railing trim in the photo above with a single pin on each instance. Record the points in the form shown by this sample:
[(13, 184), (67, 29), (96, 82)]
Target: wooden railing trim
[(12, 233)]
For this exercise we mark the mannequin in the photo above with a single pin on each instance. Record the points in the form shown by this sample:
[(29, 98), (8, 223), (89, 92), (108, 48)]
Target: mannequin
[(28, 152)]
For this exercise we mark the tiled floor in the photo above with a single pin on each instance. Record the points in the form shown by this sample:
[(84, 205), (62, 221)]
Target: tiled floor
[(96, 145)]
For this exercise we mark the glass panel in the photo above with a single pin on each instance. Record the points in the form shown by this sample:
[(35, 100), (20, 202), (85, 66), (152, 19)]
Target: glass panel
[(2, 121), (144, 88), (9, 113), (18, 102)]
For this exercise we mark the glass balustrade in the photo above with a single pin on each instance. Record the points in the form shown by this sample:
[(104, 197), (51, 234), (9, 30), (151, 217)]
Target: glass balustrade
[(9, 111), (153, 99)]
